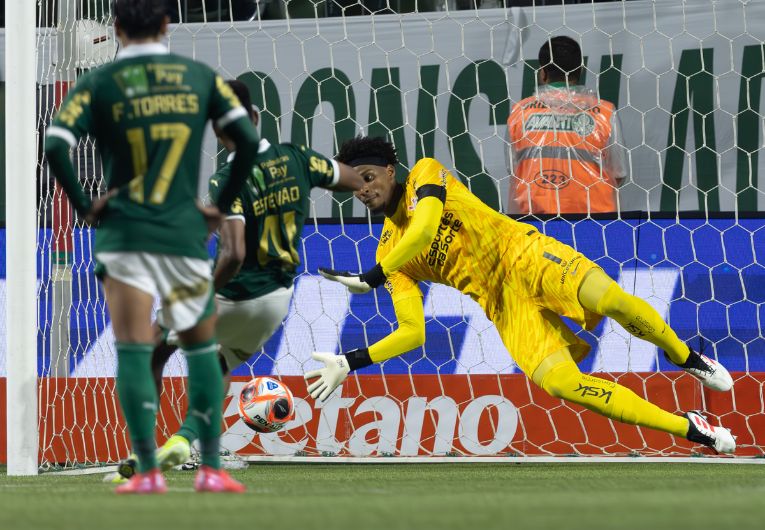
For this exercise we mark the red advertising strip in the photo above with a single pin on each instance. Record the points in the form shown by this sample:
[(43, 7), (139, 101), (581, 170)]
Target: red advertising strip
[(481, 415)]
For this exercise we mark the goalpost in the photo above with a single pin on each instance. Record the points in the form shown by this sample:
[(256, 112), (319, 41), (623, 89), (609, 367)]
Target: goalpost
[(21, 239), (687, 80)]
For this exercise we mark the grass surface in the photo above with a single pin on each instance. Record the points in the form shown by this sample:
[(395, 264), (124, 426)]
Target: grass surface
[(404, 496)]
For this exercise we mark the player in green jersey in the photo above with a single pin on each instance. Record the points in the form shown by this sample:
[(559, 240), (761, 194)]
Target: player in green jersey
[(257, 256), (147, 111)]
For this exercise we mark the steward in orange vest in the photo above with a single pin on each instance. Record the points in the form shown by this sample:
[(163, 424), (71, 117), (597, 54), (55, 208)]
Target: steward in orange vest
[(566, 153)]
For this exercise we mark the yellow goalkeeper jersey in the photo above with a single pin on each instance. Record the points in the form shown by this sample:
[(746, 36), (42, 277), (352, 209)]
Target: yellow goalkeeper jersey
[(472, 250)]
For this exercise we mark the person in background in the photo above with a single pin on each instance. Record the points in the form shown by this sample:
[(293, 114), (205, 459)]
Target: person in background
[(565, 152)]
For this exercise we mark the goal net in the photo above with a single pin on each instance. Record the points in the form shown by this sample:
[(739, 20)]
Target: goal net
[(440, 81)]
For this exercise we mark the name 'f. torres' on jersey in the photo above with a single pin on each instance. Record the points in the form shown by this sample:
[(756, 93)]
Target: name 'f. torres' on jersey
[(147, 112)]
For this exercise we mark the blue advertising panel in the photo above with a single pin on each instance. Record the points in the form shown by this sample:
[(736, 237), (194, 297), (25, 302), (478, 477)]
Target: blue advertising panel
[(706, 277)]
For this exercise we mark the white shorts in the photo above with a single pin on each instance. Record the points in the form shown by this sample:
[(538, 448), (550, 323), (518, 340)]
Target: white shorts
[(183, 285), (244, 326)]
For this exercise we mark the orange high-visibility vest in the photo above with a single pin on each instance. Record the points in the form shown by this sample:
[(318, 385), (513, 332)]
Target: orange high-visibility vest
[(558, 141)]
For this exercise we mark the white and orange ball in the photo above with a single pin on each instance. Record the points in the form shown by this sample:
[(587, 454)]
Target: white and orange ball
[(266, 404)]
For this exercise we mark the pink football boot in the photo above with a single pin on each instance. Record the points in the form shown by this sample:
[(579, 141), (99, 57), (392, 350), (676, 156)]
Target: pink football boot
[(144, 483), (216, 481)]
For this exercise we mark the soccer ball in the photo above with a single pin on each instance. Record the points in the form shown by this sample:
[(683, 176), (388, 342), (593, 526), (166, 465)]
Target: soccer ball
[(266, 404)]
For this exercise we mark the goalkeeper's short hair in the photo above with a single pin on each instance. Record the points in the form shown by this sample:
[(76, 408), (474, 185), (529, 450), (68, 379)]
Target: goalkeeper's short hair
[(365, 146)]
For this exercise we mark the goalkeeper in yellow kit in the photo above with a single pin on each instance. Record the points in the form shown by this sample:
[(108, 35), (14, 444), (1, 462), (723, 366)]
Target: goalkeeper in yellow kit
[(436, 230)]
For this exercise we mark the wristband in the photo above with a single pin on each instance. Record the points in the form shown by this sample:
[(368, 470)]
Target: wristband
[(374, 277), (358, 359)]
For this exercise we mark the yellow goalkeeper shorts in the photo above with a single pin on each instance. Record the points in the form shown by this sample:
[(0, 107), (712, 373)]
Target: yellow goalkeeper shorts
[(540, 287)]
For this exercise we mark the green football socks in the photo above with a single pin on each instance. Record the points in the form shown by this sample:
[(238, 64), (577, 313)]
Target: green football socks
[(138, 398), (205, 387)]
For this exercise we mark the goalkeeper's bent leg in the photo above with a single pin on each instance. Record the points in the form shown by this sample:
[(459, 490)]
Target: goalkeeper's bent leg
[(138, 400), (600, 294), (559, 376)]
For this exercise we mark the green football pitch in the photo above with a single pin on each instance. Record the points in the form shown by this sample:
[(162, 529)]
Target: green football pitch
[(408, 496)]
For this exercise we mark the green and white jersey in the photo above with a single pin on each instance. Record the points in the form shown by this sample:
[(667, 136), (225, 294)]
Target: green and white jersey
[(147, 111), (273, 204)]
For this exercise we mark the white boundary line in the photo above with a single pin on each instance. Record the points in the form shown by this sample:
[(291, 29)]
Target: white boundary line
[(463, 460), (83, 471), (504, 460)]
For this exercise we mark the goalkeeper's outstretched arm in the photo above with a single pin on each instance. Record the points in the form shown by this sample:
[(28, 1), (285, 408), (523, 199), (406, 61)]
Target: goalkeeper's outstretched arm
[(417, 237), (409, 335)]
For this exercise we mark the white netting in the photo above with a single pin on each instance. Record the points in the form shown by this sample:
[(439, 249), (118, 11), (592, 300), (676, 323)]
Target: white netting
[(686, 80)]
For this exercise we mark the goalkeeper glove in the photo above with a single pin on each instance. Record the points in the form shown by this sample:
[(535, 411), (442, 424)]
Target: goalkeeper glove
[(336, 369), (357, 283)]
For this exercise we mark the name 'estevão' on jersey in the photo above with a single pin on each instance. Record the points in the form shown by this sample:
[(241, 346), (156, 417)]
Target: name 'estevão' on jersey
[(273, 204), (147, 112)]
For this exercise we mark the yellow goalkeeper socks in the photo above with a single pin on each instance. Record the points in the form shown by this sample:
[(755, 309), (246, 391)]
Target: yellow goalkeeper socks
[(600, 294), (564, 380)]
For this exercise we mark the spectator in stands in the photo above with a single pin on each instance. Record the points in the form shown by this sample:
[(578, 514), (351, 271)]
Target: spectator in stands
[(565, 150)]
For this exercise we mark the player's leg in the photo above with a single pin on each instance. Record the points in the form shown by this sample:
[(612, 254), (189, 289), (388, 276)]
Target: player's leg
[(560, 377), (130, 311), (599, 294), (242, 329), (205, 387), (160, 355), (171, 454)]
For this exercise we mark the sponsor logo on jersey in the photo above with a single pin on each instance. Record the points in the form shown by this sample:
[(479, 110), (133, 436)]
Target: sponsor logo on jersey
[(320, 165), (537, 104), (552, 179), (385, 237), (133, 80), (447, 232), (567, 267), (442, 175), (581, 123), (236, 207)]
